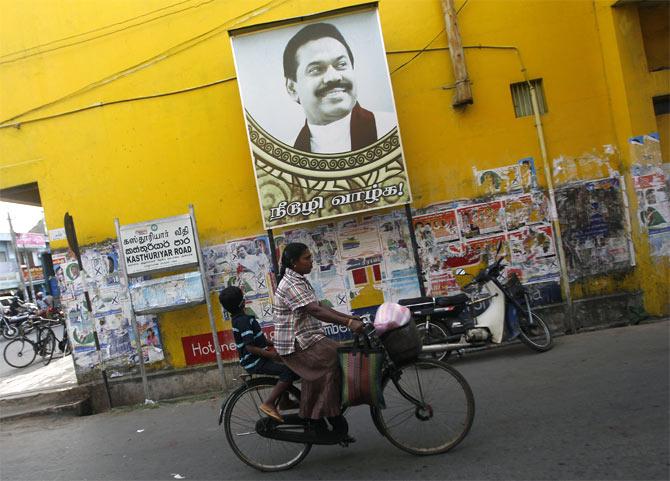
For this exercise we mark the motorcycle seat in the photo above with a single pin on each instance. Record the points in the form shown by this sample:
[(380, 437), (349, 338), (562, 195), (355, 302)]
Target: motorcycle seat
[(452, 300)]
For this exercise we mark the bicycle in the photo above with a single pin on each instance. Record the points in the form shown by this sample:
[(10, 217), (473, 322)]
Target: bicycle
[(429, 410), (64, 344), (22, 351)]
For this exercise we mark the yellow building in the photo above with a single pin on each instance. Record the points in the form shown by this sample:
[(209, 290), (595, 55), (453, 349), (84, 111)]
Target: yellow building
[(131, 110)]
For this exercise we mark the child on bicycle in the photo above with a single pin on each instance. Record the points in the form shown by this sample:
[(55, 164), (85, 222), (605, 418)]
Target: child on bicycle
[(256, 353)]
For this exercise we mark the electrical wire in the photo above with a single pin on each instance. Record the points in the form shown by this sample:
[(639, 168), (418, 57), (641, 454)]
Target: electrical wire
[(90, 31), (418, 53), (18, 125), (4, 124), (156, 58), (40, 52), (428, 44)]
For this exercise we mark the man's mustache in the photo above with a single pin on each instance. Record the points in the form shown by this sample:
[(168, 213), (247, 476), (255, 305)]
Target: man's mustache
[(338, 84)]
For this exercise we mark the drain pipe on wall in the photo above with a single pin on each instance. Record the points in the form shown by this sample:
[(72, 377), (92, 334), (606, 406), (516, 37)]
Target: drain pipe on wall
[(460, 81), (565, 281)]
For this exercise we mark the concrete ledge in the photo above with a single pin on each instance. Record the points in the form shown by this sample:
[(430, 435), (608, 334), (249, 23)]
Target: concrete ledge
[(81, 407), (165, 384)]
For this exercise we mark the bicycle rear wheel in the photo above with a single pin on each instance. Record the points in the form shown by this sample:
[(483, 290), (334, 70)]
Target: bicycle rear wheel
[(441, 416), (19, 353), (47, 345), (241, 415)]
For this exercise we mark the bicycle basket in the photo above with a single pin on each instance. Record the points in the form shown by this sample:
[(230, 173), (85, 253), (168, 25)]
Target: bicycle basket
[(403, 344)]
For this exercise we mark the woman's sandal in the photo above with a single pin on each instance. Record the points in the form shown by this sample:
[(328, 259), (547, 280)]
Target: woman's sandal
[(273, 413)]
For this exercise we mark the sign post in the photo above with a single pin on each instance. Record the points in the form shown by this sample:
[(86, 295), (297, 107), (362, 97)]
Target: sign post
[(159, 246), (203, 278), (133, 319)]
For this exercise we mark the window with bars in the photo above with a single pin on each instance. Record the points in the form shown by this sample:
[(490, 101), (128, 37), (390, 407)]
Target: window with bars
[(521, 98)]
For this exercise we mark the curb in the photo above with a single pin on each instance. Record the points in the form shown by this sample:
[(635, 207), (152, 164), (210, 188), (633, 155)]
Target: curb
[(82, 407)]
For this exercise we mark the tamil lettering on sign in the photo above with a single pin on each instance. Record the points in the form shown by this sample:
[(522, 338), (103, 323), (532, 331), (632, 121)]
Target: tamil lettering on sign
[(320, 116), (158, 245)]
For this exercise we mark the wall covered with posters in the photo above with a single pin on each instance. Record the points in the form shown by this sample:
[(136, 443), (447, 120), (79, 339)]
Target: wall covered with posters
[(110, 315), (168, 129)]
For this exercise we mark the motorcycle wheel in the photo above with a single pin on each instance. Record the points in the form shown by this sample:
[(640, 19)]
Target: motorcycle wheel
[(9, 332), (535, 335), (436, 333)]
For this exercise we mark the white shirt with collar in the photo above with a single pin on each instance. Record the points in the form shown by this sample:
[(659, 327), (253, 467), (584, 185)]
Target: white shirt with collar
[(335, 137)]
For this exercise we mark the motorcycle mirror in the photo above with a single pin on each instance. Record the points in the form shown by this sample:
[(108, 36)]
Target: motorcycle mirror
[(499, 247), (460, 271)]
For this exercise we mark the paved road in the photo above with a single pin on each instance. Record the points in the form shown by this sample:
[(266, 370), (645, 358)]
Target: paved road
[(595, 407)]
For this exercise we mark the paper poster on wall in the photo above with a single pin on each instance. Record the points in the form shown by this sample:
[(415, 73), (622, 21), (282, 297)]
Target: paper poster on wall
[(81, 330), (261, 309), (525, 210), (442, 283), (592, 216), (101, 263), (441, 226), (396, 249), (499, 180), (321, 148), (653, 201), (533, 254), (486, 248), (481, 219), (245, 263), (358, 241)]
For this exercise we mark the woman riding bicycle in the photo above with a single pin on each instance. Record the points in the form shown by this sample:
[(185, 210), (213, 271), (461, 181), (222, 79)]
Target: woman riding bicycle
[(301, 341)]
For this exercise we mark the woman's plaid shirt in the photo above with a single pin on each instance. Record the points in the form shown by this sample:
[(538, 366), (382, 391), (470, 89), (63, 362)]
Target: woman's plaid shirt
[(291, 321)]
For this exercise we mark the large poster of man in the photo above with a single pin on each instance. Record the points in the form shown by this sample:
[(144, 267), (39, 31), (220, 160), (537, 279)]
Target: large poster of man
[(320, 116)]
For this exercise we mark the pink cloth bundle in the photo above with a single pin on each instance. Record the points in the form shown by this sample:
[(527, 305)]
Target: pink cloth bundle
[(391, 316)]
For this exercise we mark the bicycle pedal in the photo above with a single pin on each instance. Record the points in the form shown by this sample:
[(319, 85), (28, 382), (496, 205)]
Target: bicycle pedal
[(347, 441)]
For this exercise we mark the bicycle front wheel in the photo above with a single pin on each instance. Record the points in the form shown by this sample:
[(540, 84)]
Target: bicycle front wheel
[(241, 415), (19, 352), (47, 345), (429, 408)]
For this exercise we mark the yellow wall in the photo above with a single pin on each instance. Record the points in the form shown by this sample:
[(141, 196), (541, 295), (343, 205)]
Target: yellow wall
[(145, 159)]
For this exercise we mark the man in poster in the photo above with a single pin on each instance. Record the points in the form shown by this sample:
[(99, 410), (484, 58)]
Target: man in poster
[(320, 117), (320, 76)]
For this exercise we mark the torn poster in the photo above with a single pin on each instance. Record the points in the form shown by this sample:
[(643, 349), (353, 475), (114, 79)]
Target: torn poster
[(481, 219), (653, 206), (592, 220)]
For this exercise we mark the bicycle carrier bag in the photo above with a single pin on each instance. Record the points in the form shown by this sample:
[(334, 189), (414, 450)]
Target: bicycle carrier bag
[(361, 368)]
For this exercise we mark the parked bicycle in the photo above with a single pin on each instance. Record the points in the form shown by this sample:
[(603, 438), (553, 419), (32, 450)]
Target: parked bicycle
[(429, 410), (22, 351)]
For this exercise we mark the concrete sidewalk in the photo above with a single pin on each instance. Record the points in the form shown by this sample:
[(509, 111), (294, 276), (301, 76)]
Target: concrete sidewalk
[(58, 374), (45, 390)]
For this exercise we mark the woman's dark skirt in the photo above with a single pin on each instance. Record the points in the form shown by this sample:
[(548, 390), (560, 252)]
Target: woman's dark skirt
[(321, 379)]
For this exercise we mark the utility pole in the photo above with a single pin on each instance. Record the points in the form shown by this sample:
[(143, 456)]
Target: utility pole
[(462, 92), (18, 258), (27, 255)]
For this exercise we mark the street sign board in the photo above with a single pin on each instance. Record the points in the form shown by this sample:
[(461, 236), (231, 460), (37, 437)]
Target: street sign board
[(158, 245)]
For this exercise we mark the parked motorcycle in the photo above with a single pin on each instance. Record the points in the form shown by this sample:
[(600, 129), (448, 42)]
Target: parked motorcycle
[(11, 325), (489, 311)]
